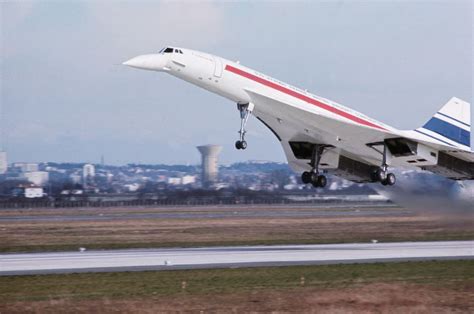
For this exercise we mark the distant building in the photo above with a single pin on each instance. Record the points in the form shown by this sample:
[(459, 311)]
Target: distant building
[(3, 162), (161, 178), (174, 181), (133, 187), (110, 177), (34, 192), (88, 174), (188, 180), (39, 178), (72, 192), (75, 178), (28, 190), (88, 170), (26, 166), (209, 155)]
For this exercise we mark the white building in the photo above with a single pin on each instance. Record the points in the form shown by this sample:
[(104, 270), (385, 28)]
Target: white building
[(174, 181), (33, 192), (88, 171), (133, 187), (26, 166), (75, 178), (188, 179), (88, 174), (3, 162), (39, 178)]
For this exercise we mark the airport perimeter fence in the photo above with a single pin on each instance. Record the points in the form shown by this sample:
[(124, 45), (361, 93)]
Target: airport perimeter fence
[(165, 202)]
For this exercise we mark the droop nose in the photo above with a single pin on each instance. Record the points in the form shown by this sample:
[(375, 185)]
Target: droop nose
[(152, 62)]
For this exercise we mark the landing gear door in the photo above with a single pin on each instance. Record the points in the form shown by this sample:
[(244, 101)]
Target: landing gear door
[(217, 67)]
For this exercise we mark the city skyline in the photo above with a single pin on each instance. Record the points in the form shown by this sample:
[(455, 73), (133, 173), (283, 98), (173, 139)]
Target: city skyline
[(66, 98)]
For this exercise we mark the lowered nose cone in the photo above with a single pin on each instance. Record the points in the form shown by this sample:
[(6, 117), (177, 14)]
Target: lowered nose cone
[(152, 62)]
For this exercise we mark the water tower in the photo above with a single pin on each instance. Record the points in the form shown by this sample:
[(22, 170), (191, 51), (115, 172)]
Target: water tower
[(209, 155)]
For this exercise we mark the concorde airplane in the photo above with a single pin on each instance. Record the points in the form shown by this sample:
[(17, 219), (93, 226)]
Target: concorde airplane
[(319, 135)]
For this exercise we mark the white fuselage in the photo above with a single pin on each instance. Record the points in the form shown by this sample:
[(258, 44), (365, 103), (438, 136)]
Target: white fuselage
[(233, 81), (296, 114)]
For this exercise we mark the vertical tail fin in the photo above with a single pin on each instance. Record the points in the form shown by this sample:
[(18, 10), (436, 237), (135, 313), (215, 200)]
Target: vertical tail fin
[(452, 123)]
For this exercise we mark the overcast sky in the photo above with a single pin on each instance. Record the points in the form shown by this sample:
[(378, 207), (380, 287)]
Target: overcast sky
[(65, 97)]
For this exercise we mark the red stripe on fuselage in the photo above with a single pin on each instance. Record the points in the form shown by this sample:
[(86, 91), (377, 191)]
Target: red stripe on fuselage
[(301, 97)]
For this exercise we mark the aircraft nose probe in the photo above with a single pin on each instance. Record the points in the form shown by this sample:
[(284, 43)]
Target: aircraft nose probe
[(136, 62), (152, 62)]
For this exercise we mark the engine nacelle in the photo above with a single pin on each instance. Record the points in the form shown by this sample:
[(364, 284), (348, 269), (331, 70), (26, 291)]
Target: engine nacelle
[(337, 164), (354, 170), (404, 152), (452, 167)]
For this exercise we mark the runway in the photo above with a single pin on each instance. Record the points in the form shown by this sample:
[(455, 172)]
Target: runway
[(230, 257)]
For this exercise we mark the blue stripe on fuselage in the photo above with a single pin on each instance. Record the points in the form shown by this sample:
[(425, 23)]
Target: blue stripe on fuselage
[(449, 130)]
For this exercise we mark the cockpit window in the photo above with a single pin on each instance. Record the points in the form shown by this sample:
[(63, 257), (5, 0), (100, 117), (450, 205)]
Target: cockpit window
[(170, 50)]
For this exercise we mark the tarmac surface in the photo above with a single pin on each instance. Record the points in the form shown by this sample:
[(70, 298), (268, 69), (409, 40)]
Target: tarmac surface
[(230, 257)]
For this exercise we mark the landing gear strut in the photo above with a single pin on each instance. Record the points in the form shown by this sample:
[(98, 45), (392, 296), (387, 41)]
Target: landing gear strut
[(245, 112), (381, 175), (313, 176)]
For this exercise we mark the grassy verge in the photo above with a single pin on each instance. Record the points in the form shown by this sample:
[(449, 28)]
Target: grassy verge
[(442, 236), (458, 274), (51, 235)]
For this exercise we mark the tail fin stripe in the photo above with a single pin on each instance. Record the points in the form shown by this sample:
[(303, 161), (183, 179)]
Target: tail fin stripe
[(418, 130), (449, 131), (445, 115)]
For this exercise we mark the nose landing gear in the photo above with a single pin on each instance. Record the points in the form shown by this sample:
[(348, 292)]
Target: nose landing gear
[(314, 177), (240, 144), (245, 112)]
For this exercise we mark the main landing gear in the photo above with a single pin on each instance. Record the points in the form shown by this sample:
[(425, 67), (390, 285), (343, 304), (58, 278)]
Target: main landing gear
[(245, 112), (314, 177), (381, 175)]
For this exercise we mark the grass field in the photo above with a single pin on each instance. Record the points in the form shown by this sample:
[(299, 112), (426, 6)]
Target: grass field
[(427, 287), (421, 287), (54, 235)]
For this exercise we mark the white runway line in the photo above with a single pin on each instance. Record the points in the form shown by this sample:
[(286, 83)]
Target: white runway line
[(108, 260)]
